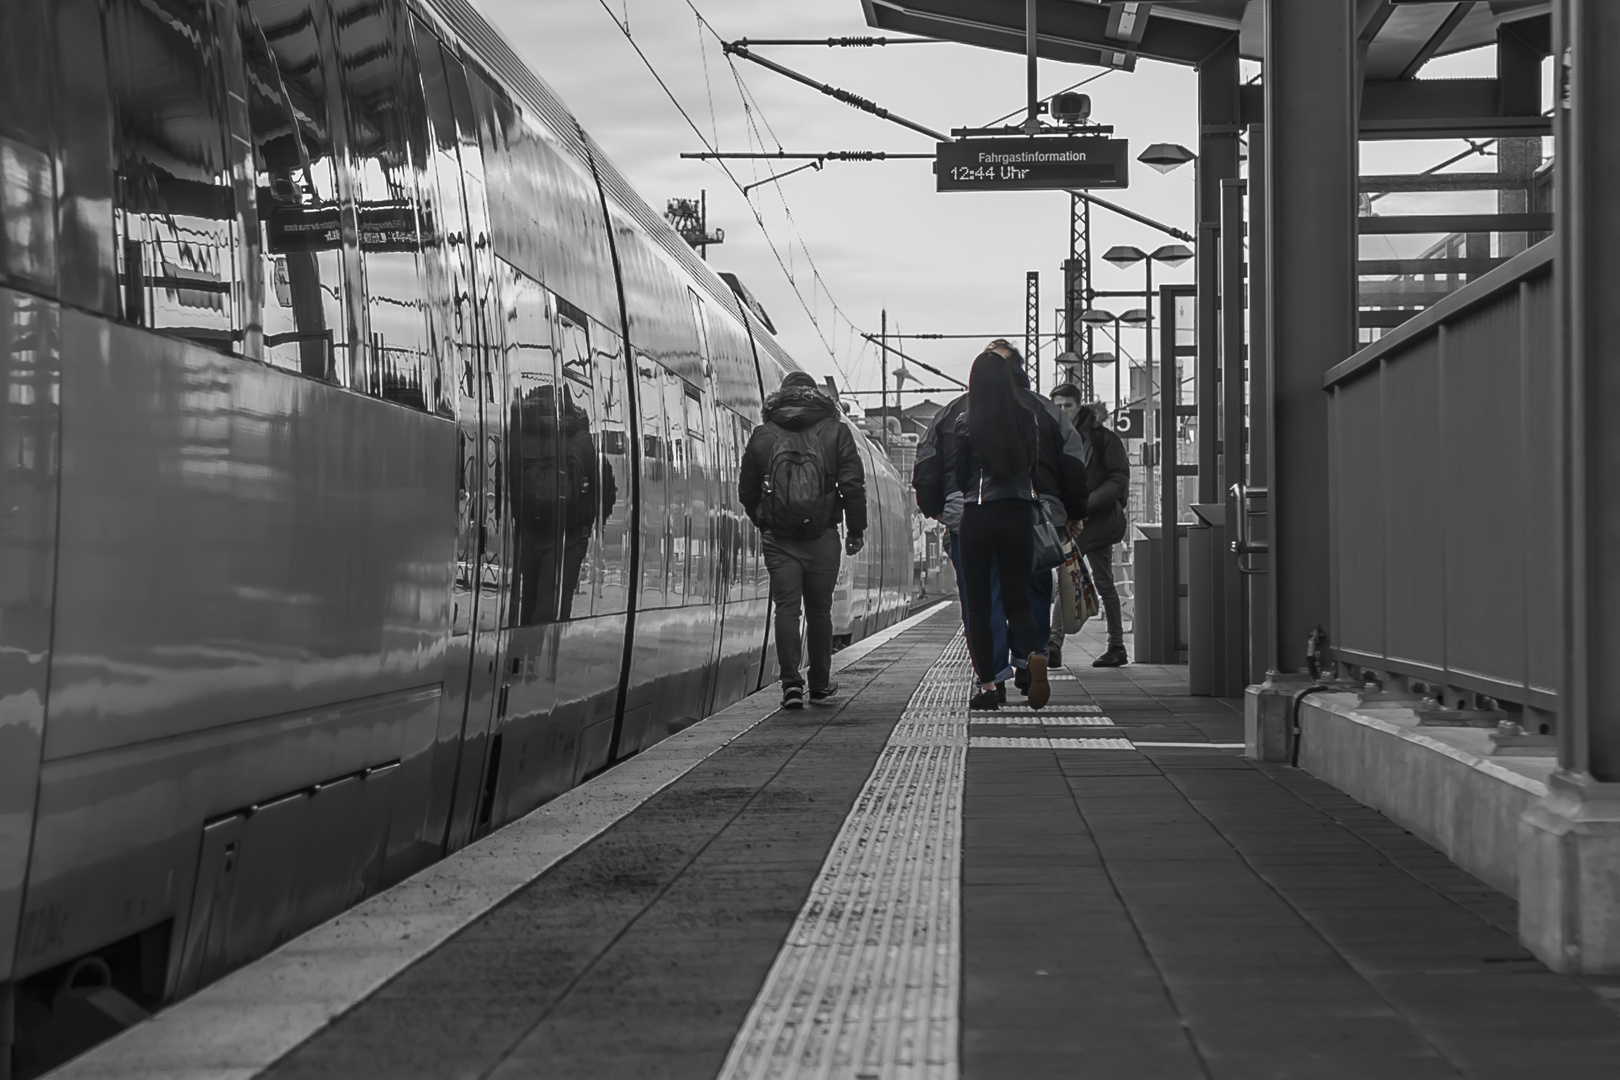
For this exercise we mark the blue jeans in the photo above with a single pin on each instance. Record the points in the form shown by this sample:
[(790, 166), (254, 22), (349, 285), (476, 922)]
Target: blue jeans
[(998, 622)]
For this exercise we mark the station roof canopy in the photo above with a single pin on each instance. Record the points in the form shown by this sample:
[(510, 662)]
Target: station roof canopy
[(1401, 34)]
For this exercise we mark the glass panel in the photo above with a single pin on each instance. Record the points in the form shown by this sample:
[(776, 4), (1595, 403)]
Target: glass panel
[(176, 221), (581, 468), (532, 442), (388, 151), (27, 176), (443, 224), (679, 486), (611, 430), (700, 485), (305, 327), (654, 491)]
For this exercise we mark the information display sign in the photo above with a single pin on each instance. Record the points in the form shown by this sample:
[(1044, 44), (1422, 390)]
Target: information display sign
[(1032, 163)]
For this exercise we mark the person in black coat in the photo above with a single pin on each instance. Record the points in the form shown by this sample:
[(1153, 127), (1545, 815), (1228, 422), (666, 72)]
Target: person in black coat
[(1108, 478)]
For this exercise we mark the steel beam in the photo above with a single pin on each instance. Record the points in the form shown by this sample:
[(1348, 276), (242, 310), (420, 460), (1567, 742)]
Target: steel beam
[(1262, 641), (1310, 63)]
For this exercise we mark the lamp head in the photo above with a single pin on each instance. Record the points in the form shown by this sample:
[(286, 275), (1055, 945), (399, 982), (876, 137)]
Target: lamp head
[(1096, 316), (1165, 156), (1135, 315), (1123, 255), (1172, 254), (1102, 359)]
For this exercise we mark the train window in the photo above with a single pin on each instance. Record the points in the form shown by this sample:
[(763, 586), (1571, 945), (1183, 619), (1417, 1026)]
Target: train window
[(388, 154), (27, 172), (444, 224), (614, 522), (678, 485), (700, 498), (305, 321), (175, 218), (655, 527), (581, 465), (534, 471)]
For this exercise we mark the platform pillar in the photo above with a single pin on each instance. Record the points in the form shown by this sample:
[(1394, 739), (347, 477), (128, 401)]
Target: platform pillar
[(1569, 854)]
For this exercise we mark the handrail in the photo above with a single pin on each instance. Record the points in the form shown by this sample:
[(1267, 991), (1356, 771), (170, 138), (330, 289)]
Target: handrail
[(1526, 264), (1244, 546)]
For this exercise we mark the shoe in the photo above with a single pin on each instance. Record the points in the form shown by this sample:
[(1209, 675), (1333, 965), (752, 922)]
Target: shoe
[(792, 697), (1054, 656), (1001, 692), (1021, 680), (1040, 691), (824, 697), (1114, 657), (984, 700)]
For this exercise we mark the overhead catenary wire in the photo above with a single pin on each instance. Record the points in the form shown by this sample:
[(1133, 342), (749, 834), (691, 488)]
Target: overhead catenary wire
[(855, 101), (646, 61)]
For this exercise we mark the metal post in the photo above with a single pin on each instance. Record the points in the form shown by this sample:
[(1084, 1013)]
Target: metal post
[(1032, 328), (1168, 573), (1234, 668), (1119, 369), (1569, 888), (1031, 124), (1311, 108), (883, 386), (1262, 643)]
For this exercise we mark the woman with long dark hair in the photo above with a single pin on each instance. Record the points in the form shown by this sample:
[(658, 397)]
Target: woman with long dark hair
[(1002, 438)]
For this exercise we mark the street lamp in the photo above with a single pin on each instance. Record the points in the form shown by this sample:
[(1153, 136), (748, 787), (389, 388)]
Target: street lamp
[(1101, 317), (1165, 156)]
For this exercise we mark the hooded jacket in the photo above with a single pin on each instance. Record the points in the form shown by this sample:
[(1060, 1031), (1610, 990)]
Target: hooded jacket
[(795, 408), (1108, 475)]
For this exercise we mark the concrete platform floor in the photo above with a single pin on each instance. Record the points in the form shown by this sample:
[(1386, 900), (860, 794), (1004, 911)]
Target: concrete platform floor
[(1124, 914)]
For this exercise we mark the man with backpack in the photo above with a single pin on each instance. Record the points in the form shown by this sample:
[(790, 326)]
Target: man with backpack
[(801, 475), (1108, 476)]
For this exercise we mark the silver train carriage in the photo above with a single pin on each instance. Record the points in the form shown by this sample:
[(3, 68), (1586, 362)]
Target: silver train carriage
[(369, 470)]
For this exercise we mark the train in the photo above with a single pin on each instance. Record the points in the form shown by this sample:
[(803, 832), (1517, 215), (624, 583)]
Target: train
[(370, 455)]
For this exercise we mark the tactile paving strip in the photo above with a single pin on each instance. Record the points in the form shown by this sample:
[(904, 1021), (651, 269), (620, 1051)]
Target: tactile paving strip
[(866, 984), (1050, 744), (1051, 710)]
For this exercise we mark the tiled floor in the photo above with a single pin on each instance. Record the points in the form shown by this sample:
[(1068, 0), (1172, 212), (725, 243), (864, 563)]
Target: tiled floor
[(1126, 914)]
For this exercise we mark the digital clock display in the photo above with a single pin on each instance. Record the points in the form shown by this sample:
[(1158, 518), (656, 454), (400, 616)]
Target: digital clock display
[(1038, 163)]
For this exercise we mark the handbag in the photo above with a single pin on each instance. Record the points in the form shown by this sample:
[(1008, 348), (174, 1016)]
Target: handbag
[(1049, 540)]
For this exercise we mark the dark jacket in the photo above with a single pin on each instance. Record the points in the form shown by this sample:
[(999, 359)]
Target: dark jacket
[(932, 476), (1060, 463), (795, 408), (1108, 476)]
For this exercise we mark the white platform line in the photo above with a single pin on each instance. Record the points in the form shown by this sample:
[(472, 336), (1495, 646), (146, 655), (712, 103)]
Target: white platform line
[(241, 1025), (1196, 745), (866, 984), (1011, 742), (1050, 710), (1041, 718)]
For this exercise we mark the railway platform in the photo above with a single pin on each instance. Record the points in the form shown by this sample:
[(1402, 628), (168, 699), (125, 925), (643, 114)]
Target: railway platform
[(1105, 889)]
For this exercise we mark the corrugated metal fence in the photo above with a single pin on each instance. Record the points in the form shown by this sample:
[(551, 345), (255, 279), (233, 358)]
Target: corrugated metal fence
[(1442, 473)]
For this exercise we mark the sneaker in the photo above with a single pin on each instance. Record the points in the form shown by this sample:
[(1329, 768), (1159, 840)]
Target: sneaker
[(1001, 692), (1040, 691), (824, 697), (1021, 680), (1054, 656), (792, 697), (1114, 657), (984, 700)]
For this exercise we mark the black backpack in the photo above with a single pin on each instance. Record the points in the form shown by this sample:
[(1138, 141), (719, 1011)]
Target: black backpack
[(800, 496)]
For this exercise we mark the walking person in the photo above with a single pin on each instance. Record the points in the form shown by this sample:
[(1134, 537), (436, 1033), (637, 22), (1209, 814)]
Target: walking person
[(1108, 480), (1000, 440), (800, 476), (934, 481)]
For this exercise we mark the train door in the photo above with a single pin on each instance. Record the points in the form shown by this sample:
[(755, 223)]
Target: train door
[(478, 593)]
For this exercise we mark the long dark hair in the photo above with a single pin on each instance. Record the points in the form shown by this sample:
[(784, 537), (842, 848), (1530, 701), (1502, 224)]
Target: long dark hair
[(1000, 428)]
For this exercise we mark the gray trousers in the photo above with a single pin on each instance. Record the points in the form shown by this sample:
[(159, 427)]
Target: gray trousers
[(803, 575), (1101, 562)]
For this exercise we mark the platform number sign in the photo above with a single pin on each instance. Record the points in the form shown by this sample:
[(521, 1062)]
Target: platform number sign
[(1128, 424)]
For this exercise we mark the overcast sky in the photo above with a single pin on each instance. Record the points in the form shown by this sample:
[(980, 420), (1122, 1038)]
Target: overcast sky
[(878, 233)]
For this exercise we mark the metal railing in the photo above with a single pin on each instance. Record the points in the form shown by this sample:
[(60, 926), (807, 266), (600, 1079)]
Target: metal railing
[(1441, 472)]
